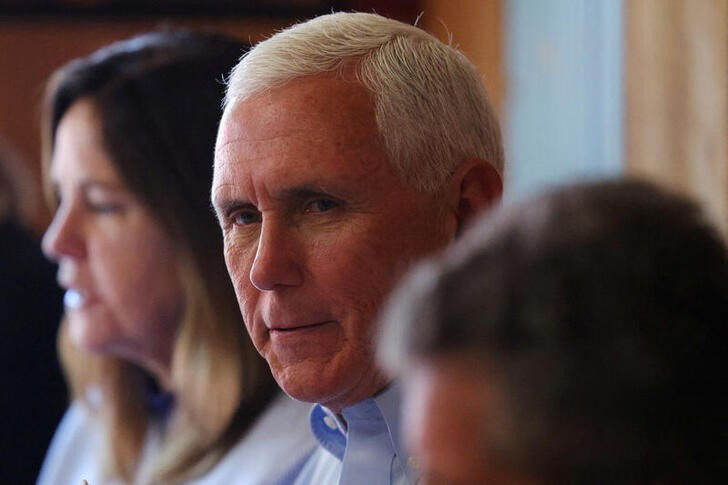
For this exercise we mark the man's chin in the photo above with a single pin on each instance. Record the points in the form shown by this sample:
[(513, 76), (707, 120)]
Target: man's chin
[(305, 390), (308, 382), (320, 384)]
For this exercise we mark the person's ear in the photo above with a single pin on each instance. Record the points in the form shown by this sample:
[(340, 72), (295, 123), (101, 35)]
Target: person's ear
[(475, 186)]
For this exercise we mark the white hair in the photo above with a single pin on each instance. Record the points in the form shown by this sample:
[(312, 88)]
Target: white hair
[(431, 107)]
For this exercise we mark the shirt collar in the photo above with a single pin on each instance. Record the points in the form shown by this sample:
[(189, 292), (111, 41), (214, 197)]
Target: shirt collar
[(328, 430), (381, 410)]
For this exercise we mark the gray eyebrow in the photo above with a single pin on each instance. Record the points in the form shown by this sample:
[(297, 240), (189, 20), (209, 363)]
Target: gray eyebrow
[(296, 193)]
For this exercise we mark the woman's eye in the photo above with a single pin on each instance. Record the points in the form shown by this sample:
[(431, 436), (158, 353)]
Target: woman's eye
[(244, 218), (102, 201), (323, 204), (105, 207)]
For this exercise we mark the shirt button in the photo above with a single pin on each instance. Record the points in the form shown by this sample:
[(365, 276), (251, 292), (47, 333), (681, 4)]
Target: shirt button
[(330, 422), (413, 463)]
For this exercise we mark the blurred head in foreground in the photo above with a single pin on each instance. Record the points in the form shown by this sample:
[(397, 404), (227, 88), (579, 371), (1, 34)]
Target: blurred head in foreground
[(575, 338)]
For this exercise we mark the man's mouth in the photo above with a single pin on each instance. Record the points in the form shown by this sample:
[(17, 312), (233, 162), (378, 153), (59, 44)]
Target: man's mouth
[(294, 341), (298, 328)]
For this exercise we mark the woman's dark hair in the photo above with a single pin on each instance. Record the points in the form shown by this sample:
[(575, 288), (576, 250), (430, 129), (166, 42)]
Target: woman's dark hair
[(159, 98)]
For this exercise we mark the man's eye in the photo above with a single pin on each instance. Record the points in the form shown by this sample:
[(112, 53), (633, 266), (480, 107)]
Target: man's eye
[(243, 218), (322, 204)]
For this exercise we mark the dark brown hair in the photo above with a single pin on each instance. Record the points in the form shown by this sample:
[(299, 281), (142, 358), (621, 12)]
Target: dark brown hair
[(159, 96)]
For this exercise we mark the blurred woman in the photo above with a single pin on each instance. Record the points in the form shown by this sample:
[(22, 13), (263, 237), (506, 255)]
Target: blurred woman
[(166, 386)]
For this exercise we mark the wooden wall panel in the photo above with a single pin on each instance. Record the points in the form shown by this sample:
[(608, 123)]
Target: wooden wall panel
[(677, 97), (476, 27)]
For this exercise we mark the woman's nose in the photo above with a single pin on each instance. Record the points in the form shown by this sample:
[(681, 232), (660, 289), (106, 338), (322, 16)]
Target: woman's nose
[(62, 238)]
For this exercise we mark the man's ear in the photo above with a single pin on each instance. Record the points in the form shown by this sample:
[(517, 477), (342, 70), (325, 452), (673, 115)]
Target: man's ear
[(475, 186)]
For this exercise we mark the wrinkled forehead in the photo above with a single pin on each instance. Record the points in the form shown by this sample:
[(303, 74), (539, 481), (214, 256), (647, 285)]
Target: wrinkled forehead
[(314, 132), (318, 106)]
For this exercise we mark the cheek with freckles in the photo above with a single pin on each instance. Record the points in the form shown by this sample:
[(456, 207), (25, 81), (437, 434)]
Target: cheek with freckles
[(238, 259)]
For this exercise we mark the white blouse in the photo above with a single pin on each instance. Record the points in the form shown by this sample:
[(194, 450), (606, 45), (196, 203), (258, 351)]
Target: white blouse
[(278, 440)]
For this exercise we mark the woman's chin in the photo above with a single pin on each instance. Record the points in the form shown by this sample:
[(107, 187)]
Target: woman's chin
[(87, 334)]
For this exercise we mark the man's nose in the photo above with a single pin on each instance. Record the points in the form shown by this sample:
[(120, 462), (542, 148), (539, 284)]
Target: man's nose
[(63, 238), (277, 261)]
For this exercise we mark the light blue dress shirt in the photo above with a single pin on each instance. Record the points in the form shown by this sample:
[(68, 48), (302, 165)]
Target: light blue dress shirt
[(363, 448)]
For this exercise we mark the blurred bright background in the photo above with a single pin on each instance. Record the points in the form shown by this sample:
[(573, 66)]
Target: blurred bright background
[(585, 88)]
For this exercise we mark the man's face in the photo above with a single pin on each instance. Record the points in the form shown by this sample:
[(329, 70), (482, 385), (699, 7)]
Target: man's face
[(317, 228)]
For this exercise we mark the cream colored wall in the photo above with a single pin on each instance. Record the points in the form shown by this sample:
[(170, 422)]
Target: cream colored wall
[(675, 87), (677, 97)]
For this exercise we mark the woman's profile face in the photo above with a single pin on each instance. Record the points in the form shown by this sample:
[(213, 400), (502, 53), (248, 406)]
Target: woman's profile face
[(117, 264)]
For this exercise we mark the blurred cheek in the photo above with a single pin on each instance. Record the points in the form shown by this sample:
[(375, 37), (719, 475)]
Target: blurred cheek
[(419, 414), (443, 413), (138, 289)]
